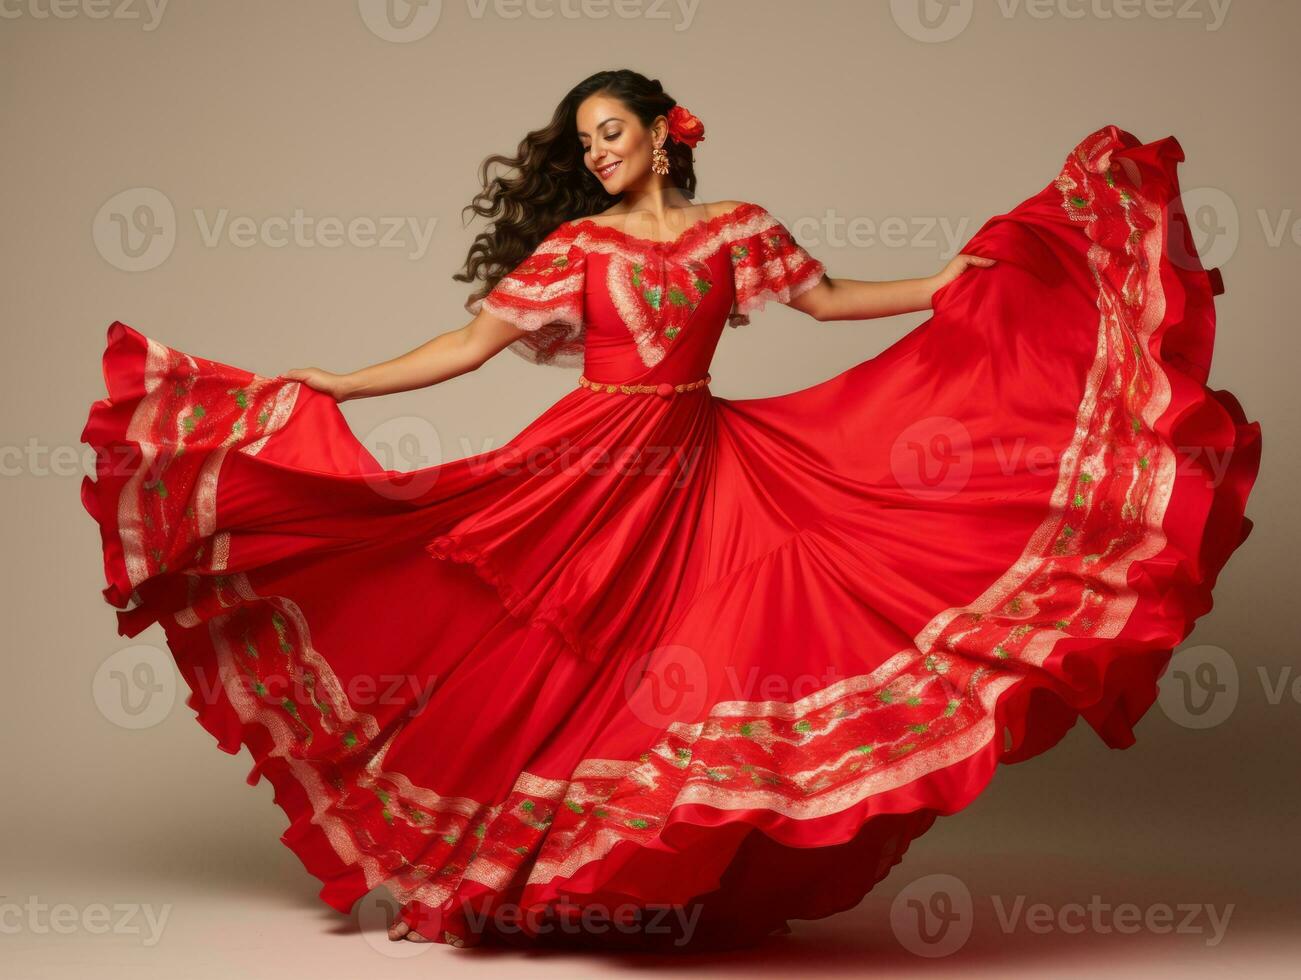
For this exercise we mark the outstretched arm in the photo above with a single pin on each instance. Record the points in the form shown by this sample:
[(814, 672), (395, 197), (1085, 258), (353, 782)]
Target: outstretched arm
[(452, 353), (857, 299)]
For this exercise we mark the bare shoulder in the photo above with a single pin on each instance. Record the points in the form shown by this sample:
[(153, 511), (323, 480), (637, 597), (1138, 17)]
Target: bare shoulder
[(614, 211), (616, 215), (723, 207), (612, 216), (710, 209)]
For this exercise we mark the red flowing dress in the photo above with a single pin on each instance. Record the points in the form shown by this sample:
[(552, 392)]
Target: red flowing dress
[(669, 649)]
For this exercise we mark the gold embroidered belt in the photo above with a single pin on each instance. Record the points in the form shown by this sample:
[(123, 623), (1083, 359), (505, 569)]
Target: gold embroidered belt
[(663, 389)]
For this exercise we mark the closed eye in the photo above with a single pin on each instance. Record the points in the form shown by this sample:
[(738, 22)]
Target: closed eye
[(610, 138)]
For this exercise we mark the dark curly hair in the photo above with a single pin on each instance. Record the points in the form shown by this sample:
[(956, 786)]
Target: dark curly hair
[(551, 184)]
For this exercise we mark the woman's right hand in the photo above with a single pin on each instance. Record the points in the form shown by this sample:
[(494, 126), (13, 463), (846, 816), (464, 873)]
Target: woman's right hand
[(336, 386)]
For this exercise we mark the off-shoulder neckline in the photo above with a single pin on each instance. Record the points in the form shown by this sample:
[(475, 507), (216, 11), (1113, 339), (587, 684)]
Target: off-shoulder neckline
[(700, 225)]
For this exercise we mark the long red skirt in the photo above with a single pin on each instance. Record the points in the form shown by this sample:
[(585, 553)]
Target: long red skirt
[(735, 680)]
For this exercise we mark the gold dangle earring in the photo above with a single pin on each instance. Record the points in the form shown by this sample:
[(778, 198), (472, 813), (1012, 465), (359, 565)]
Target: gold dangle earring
[(659, 161)]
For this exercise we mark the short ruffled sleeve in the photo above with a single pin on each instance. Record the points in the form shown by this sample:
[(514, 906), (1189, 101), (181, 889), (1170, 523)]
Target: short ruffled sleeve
[(544, 295), (767, 264)]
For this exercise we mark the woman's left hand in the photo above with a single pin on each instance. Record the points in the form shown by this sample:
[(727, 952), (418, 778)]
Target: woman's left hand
[(959, 264)]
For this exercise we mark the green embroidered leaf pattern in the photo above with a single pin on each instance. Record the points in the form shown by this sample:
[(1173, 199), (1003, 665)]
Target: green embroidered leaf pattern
[(721, 751)]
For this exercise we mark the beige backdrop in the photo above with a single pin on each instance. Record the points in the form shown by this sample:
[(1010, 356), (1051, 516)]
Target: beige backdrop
[(911, 129)]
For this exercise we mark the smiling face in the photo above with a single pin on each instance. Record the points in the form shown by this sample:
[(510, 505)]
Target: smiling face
[(616, 146)]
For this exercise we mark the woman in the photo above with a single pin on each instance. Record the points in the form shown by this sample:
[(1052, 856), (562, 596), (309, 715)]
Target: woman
[(688, 665)]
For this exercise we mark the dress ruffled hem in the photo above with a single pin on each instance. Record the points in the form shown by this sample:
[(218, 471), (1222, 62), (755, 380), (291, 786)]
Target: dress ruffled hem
[(106, 431), (749, 871), (694, 857), (553, 621)]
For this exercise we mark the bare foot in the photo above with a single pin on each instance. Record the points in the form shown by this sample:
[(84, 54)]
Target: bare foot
[(400, 930)]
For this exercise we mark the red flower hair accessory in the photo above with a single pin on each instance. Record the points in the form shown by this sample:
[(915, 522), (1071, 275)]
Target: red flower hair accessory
[(685, 127)]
